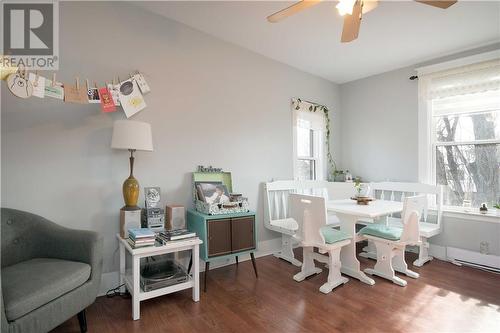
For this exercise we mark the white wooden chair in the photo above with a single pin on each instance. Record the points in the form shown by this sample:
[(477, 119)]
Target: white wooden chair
[(277, 215), (310, 212), (396, 191), (391, 241)]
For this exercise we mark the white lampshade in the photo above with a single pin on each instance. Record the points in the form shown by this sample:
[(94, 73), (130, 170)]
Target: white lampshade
[(129, 134)]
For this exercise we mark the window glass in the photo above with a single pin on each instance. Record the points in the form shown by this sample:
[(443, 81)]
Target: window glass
[(304, 142), (470, 174), (306, 170)]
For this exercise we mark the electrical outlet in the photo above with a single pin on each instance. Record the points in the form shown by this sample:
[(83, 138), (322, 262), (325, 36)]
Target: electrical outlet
[(484, 247)]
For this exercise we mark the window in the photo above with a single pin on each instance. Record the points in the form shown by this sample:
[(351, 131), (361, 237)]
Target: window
[(308, 145), (463, 120)]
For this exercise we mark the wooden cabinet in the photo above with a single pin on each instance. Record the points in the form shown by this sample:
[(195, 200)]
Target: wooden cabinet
[(230, 235), (242, 233), (224, 236), (219, 237)]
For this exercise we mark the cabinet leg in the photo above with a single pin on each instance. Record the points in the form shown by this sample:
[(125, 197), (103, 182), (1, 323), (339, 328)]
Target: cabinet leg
[(236, 260), (254, 265), (207, 267)]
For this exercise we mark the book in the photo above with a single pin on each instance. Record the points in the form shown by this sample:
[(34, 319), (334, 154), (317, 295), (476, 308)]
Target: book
[(135, 245), (171, 235), (137, 233)]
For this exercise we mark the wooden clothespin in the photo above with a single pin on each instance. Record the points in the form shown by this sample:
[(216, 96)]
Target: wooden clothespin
[(36, 79), (77, 83), (53, 79), (87, 84), (95, 85)]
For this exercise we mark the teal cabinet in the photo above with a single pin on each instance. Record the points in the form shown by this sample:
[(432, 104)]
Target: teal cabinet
[(224, 236)]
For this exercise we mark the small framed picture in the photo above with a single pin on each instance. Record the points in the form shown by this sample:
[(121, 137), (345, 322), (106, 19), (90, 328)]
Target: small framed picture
[(152, 196), (213, 192)]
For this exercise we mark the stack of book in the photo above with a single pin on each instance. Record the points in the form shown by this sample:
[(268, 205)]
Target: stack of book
[(173, 235), (140, 237)]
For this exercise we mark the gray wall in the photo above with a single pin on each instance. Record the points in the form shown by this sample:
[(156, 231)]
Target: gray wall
[(212, 103), (379, 137), (379, 127)]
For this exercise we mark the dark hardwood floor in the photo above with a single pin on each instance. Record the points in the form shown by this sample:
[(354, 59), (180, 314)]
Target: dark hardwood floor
[(446, 298)]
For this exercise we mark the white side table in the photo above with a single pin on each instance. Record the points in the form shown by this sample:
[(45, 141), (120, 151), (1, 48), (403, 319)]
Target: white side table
[(131, 278)]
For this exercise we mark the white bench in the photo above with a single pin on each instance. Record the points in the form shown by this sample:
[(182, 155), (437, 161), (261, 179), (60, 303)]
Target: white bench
[(396, 191), (277, 214)]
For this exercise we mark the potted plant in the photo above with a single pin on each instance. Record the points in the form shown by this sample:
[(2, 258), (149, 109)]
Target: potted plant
[(358, 186), (338, 175)]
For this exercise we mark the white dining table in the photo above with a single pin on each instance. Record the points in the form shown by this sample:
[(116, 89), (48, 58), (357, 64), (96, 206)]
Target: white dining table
[(349, 212)]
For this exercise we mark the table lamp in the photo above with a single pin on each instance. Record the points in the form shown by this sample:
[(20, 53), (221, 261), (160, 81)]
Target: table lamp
[(131, 135)]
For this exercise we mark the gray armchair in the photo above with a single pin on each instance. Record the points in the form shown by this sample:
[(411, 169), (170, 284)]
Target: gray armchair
[(49, 273)]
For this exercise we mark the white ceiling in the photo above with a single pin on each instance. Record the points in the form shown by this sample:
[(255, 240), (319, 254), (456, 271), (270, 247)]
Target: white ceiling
[(393, 35)]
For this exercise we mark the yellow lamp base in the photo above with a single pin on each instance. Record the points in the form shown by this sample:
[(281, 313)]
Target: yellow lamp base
[(131, 192)]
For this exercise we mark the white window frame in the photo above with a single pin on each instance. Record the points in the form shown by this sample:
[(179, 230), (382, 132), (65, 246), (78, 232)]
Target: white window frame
[(317, 148), (426, 140)]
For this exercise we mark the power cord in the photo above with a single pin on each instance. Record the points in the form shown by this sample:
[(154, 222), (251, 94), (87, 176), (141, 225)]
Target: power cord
[(116, 292)]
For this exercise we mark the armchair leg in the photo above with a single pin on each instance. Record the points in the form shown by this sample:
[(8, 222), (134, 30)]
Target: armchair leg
[(82, 320), (286, 252)]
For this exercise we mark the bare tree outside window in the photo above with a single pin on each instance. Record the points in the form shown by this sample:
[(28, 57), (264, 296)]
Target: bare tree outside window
[(467, 155)]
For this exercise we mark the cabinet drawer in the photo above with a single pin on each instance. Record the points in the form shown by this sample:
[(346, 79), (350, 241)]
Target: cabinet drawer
[(219, 237), (242, 233)]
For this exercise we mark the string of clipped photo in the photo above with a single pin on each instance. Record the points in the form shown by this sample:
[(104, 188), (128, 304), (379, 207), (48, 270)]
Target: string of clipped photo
[(127, 94)]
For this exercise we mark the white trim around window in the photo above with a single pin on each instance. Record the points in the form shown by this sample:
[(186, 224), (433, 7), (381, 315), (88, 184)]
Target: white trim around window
[(427, 144), (318, 152)]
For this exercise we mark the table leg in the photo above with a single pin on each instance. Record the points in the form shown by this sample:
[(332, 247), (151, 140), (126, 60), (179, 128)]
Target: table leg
[(136, 264), (195, 255), (350, 264), (122, 266)]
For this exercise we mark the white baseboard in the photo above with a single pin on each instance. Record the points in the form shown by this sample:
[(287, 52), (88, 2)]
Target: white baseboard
[(111, 279), (453, 254), (477, 258)]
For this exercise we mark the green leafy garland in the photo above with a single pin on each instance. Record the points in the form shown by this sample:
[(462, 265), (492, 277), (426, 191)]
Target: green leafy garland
[(313, 107)]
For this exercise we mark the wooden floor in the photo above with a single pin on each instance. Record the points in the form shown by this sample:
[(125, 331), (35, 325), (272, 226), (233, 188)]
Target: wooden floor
[(446, 298)]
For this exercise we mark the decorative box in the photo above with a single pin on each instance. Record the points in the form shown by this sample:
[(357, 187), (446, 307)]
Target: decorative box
[(224, 178)]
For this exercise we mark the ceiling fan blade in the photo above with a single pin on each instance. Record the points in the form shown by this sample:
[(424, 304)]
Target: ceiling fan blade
[(439, 4), (352, 23), (293, 9), (369, 5)]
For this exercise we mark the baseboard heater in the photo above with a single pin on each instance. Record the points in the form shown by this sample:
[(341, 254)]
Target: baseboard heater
[(474, 259)]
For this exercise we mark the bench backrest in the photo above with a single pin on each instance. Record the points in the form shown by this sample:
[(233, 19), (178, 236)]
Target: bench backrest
[(310, 212), (276, 201), (413, 209), (397, 191)]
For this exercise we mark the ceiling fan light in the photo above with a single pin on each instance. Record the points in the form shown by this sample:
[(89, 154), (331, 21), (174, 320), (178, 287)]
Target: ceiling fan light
[(345, 7)]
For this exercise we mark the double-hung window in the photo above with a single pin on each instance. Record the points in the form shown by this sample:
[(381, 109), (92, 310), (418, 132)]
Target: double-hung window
[(460, 138), (308, 145)]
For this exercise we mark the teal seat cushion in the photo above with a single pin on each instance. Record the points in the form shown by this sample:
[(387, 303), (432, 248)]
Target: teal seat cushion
[(33, 283), (382, 231), (333, 235)]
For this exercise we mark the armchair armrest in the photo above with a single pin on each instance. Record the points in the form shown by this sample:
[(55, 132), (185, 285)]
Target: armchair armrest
[(54, 241)]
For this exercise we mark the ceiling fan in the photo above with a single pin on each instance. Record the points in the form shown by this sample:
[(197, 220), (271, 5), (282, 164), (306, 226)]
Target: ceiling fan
[(352, 10)]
